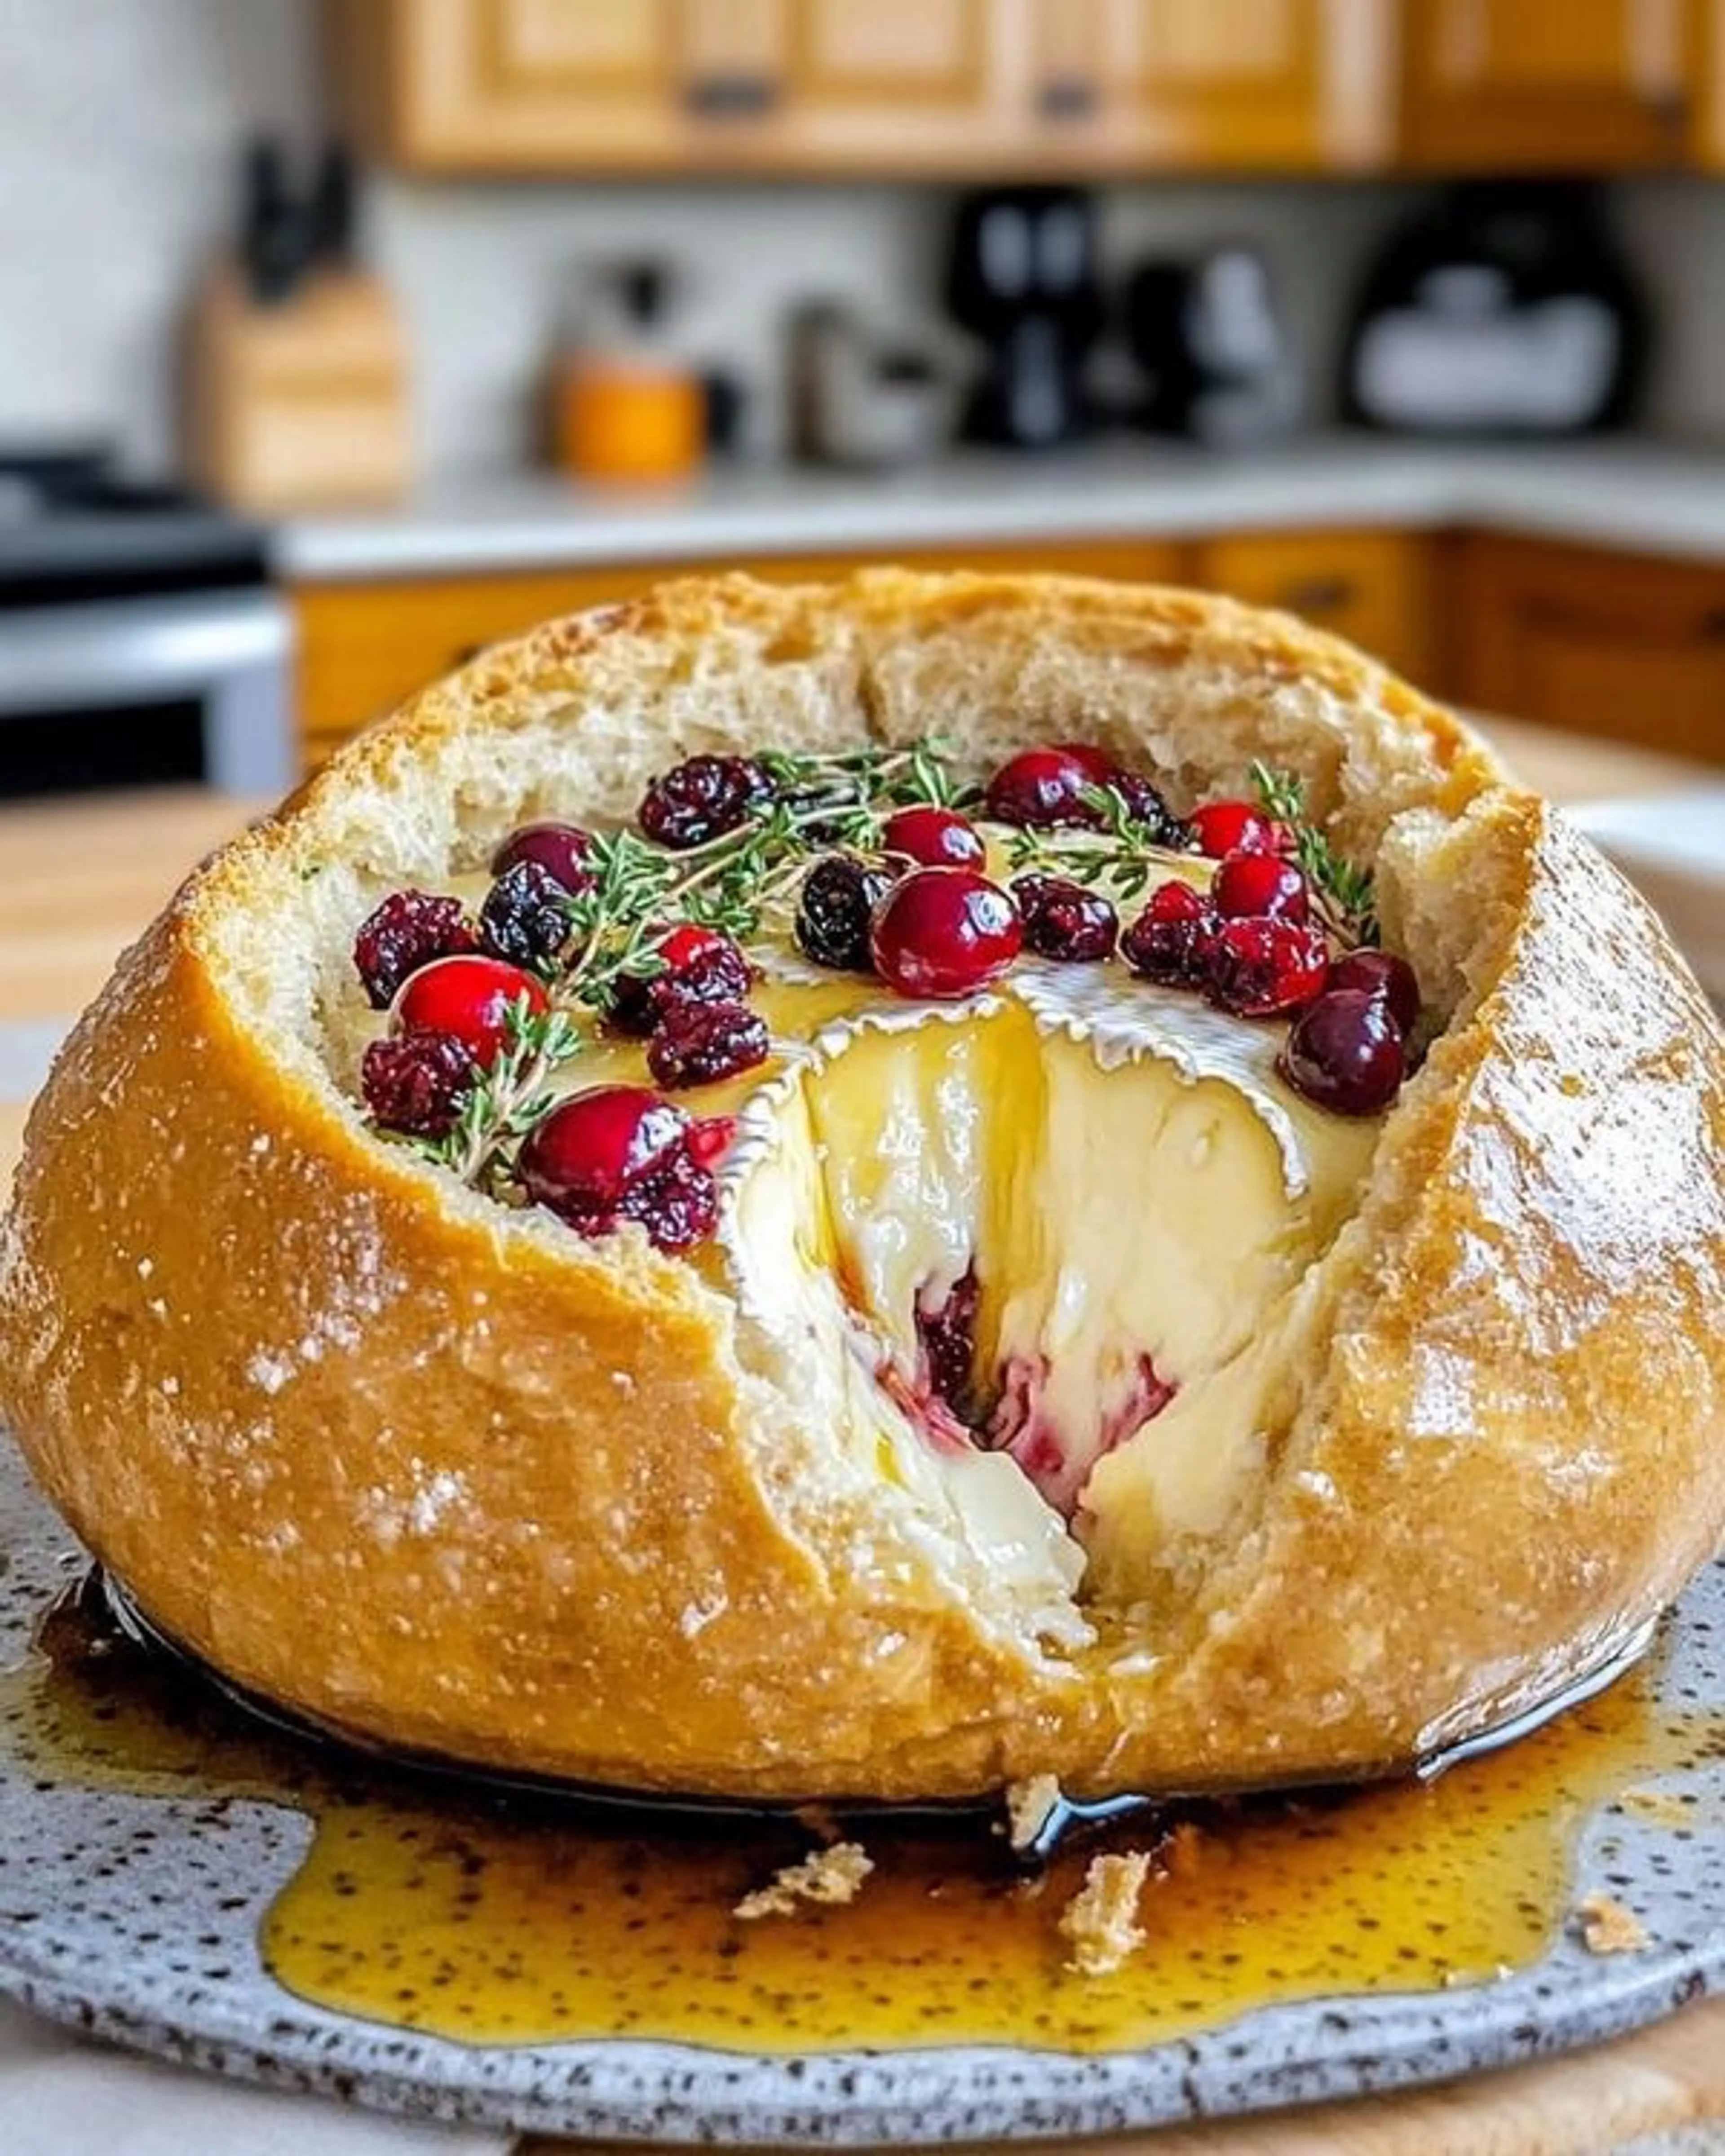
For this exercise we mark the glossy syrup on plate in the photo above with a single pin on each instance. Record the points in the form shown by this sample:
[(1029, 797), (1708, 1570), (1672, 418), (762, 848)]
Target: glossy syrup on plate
[(507, 1917)]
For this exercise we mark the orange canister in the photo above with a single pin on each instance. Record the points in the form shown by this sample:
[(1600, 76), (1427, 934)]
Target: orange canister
[(628, 408)]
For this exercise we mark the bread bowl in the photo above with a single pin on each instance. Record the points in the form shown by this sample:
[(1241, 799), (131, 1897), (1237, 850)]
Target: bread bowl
[(443, 1474)]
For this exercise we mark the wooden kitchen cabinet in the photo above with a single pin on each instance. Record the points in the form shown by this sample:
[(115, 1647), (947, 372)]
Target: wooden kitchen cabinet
[(1597, 642), (362, 647), (1374, 587), (1539, 85)]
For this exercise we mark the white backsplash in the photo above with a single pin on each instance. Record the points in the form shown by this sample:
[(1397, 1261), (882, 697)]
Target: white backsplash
[(119, 151)]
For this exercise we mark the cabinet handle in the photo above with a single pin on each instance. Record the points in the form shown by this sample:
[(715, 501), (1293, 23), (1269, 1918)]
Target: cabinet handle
[(1319, 595), (1712, 625), (1067, 97), (731, 96)]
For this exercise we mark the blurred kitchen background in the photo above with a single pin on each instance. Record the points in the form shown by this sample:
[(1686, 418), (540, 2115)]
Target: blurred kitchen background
[(338, 341)]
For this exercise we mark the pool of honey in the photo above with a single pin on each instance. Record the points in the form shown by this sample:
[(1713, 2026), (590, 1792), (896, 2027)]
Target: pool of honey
[(507, 1917)]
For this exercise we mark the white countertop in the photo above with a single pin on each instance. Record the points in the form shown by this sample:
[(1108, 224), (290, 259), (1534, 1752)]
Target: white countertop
[(1650, 497)]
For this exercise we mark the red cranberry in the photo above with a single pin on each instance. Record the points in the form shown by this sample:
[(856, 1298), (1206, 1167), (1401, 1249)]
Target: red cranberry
[(698, 1043), (592, 1146), (526, 916), (561, 850), (934, 838), (1064, 920), (1238, 827), (942, 932), (1102, 768), (1042, 787), (834, 906), (698, 966), (1260, 886), (417, 1082), (471, 998), (408, 930), (1258, 968), (1345, 1052), (1381, 974), (701, 799), (1169, 941)]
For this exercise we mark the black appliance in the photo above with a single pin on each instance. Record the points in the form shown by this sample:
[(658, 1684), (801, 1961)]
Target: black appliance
[(1208, 340), (140, 639), (1501, 308), (1021, 276)]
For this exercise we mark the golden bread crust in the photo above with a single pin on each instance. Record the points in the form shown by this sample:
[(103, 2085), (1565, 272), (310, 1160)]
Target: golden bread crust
[(450, 1478)]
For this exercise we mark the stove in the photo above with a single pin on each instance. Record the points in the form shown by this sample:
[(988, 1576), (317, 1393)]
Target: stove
[(140, 638)]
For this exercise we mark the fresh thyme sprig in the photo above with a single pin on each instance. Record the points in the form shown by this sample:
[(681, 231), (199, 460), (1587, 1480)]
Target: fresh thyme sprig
[(1341, 889), (1120, 851), (506, 1100)]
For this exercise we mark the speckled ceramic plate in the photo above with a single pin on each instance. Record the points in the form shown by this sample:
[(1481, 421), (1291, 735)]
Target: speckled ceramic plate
[(135, 1914)]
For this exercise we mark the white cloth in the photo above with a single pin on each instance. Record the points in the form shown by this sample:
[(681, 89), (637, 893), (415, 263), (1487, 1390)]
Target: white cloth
[(61, 2096)]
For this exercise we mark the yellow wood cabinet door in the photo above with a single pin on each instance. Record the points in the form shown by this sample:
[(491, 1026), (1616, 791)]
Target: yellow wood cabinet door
[(1621, 645), (1374, 587), (1548, 83), (1212, 84)]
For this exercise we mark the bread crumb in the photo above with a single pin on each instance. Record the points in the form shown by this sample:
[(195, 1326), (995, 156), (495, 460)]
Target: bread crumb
[(1100, 1921), (1607, 1928), (1658, 1805), (1029, 1806), (830, 1877)]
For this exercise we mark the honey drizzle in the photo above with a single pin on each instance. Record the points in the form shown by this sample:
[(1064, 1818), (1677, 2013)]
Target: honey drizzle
[(509, 1918)]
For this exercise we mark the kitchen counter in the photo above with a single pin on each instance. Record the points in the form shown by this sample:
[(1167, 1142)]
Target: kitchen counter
[(1658, 498)]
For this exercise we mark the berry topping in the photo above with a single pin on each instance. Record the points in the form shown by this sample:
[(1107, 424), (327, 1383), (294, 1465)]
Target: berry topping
[(1381, 974), (417, 1082), (1064, 920), (1042, 787), (1145, 804), (621, 1152), (700, 1043), (1238, 827), (696, 966), (471, 998), (947, 1332), (834, 909), (1260, 886), (525, 918), (701, 799), (1257, 969), (407, 932), (1345, 1052), (943, 932), (1169, 941), (562, 849), (934, 838)]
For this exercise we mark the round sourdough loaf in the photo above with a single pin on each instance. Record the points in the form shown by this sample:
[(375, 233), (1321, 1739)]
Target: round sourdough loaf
[(446, 1476)]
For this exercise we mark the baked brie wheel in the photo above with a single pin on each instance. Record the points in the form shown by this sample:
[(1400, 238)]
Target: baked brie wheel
[(797, 1193)]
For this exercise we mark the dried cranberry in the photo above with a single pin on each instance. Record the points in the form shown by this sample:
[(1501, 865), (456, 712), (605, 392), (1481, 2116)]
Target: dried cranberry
[(696, 966), (563, 850), (944, 932), (1145, 804), (678, 1204), (407, 932), (1043, 787), (1064, 920), (947, 1333), (526, 917), (471, 997), (834, 907), (701, 799), (1238, 827), (1260, 886), (1169, 941), (934, 839), (1346, 1053), (1258, 968), (1381, 974), (698, 1043), (417, 1082)]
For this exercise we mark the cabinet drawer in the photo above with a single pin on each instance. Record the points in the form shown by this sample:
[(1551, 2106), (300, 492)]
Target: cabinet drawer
[(364, 647), (1373, 588)]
